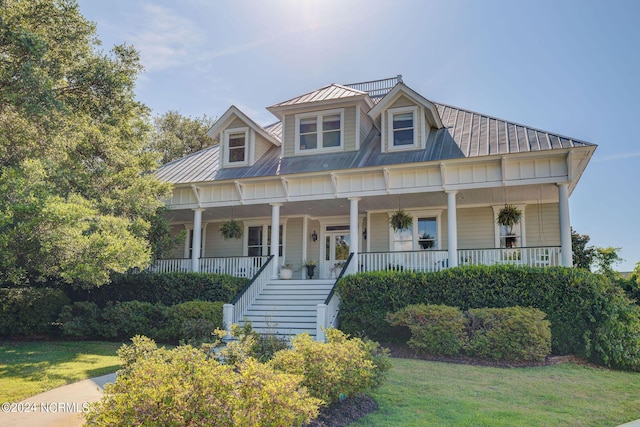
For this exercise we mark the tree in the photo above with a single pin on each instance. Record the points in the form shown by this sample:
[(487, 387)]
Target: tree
[(75, 201), (582, 255), (175, 136), (605, 258)]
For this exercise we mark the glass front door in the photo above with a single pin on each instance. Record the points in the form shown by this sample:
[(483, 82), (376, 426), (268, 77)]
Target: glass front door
[(337, 249)]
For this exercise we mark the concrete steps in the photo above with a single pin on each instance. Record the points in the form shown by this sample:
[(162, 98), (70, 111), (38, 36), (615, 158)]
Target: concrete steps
[(288, 307)]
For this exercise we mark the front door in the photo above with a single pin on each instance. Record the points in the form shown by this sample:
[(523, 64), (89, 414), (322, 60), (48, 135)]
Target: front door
[(337, 249)]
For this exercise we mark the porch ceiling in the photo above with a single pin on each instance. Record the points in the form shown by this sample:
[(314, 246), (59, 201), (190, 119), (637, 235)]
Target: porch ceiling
[(340, 206)]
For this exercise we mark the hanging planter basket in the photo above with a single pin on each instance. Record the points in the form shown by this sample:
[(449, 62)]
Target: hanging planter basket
[(400, 220), (231, 229), (509, 216)]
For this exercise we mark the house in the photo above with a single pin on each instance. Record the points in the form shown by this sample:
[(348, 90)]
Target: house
[(342, 159)]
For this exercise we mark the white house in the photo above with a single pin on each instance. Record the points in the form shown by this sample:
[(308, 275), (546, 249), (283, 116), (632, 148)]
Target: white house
[(342, 159)]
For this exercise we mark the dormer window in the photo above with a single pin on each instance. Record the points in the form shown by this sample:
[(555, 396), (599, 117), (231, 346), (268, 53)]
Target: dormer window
[(236, 142), (402, 130), (319, 132)]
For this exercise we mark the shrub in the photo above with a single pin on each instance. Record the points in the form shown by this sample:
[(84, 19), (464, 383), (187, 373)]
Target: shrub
[(577, 302), (123, 320), (29, 311), (435, 329), (194, 321), (163, 288), (341, 367), (82, 320), (511, 334), (184, 387)]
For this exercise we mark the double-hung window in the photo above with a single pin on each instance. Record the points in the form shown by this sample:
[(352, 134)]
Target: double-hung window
[(258, 240), (236, 143), (402, 128), (422, 234), (319, 131)]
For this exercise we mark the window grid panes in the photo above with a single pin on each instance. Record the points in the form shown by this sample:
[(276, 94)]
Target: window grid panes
[(427, 233), (320, 132), (254, 241), (403, 239), (402, 129), (237, 147)]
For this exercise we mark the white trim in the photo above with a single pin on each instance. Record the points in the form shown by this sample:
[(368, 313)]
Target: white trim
[(319, 132), (390, 132), (416, 214), (523, 228), (357, 133), (248, 146)]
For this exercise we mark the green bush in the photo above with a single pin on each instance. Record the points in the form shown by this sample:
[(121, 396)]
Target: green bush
[(577, 302), (510, 334), (123, 320), (163, 288), (29, 311), (339, 368), (81, 320), (435, 329), (193, 321), (184, 387)]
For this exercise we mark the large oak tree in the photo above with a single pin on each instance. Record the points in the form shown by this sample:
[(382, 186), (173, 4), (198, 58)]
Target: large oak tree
[(76, 198)]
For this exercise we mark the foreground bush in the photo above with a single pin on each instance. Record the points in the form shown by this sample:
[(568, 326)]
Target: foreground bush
[(438, 330), (184, 387), (580, 305), (509, 334), (193, 321), (341, 367), (29, 311)]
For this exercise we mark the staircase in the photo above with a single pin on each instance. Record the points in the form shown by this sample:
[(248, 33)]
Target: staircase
[(287, 307)]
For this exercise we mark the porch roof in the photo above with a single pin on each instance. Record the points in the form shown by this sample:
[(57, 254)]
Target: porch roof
[(466, 134)]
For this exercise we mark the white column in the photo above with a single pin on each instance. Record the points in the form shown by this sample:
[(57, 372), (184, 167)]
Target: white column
[(197, 240), (452, 228), (275, 237), (354, 233), (565, 225)]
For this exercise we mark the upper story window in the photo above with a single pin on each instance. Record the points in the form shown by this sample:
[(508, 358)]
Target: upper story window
[(236, 142), (402, 128), (319, 131)]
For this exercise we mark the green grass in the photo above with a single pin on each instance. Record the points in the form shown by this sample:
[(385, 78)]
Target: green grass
[(420, 393), (28, 368)]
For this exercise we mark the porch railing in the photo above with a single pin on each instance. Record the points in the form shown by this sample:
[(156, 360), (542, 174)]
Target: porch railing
[(409, 260), (529, 256), (233, 312), (235, 266)]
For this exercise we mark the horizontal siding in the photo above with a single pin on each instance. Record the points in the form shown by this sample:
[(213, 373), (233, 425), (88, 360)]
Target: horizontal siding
[(293, 244), (542, 224), (476, 229), (217, 246), (174, 230), (379, 232)]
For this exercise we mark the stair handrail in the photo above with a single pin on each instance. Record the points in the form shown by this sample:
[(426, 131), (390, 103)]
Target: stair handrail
[(327, 313), (233, 310)]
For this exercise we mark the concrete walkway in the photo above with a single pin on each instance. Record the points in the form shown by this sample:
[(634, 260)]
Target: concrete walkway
[(60, 407)]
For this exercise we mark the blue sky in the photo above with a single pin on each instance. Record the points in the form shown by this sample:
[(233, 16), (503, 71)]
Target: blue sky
[(568, 67)]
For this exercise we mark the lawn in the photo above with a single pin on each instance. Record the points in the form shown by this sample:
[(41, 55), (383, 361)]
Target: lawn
[(420, 393), (28, 368)]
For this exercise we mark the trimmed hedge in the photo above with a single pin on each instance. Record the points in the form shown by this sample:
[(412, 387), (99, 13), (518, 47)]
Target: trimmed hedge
[(29, 311), (583, 308), (163, 288)]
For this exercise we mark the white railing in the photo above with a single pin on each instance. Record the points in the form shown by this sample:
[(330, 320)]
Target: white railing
[(170, 266), (409, 260), (232, 313), (529, 256), (235, 266)]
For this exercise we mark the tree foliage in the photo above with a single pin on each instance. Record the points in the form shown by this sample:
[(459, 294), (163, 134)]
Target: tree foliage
[(175, 136), (582, 255), (76, 203)]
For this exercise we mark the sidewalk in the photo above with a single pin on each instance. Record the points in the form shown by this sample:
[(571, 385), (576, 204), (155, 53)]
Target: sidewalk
[(60, 407)]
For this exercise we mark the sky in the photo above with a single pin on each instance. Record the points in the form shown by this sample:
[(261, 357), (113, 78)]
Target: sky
[(567, 67)]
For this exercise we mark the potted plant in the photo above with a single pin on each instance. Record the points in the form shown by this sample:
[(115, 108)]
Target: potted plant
[(509, 216), (231, 229), (400, 220), (286, 271), (311, 266)]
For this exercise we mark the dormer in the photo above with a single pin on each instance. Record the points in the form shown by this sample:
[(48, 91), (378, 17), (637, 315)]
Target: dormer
[(328, 120), (242, 141), (405, 119)]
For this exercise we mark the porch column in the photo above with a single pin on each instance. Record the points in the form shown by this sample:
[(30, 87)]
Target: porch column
[(354, 233), (452, 228), (565, 225), (275, 237), (197, 240)]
